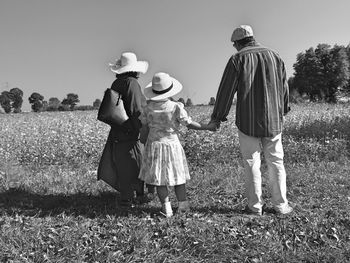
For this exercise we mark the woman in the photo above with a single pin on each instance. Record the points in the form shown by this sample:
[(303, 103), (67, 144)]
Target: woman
[(121, 159)]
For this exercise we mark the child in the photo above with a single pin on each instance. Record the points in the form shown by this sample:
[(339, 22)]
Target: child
[(164, 162)]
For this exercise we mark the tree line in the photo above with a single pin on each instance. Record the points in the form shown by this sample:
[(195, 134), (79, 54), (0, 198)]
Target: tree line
[(12, 100), (320, 74)]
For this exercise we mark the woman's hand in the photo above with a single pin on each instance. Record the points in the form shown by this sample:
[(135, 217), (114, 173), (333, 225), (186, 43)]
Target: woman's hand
[(213, 126)]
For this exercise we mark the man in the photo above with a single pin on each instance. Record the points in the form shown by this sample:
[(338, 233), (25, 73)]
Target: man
[(258, 76)]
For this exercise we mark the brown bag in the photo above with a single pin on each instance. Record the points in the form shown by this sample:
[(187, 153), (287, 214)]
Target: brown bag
[(112, 110)]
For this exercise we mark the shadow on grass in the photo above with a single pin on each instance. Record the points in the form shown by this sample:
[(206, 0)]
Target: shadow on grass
[(22, 202)]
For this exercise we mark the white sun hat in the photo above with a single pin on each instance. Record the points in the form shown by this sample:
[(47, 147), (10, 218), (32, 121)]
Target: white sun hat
[(162, 86), (128, 63), (241, 32)]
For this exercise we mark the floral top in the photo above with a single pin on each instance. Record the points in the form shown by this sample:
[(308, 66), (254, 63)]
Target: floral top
[(164, 119)]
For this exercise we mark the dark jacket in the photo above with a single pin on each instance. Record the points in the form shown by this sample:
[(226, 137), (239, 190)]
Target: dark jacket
[(123, 137), (130, 91)]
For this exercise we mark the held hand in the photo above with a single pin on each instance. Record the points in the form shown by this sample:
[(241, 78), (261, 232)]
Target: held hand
[(202, 126), (213, 126)]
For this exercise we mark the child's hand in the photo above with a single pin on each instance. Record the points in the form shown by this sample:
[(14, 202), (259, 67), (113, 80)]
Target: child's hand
[(211, 126)]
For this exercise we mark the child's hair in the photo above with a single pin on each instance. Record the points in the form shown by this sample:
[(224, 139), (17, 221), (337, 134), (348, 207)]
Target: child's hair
[(128, 74)]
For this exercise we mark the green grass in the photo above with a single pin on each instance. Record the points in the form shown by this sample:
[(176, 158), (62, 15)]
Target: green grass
[(52, 209)]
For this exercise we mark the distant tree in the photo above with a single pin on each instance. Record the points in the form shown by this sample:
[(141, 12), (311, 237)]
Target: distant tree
[(45, 106), (16, 96), (63, 107), (321, 72), (181, 100), (212, 101), (5, 101), (347, 88), (189, 102), (36, 100), (305, 76), (84, 107), (53, 104), (294, 95), (291, 83), (340, 72), (96, 104), (71, 100)]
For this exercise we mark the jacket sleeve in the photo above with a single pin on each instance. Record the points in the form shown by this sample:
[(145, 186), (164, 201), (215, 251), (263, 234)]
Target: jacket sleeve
[(226, 92), (285, 91), (133, 102)]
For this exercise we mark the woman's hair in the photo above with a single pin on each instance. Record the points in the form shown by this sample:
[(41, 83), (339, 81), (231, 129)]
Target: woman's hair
[(128, 74), (246, 41)]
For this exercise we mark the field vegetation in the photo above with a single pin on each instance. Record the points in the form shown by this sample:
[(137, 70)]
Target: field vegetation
[(52, 209)]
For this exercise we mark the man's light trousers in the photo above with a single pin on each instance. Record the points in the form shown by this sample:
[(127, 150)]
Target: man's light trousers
[(271, 147)]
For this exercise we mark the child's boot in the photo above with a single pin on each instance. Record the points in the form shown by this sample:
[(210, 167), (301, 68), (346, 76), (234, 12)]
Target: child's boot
[(166, 209), (184, 206)]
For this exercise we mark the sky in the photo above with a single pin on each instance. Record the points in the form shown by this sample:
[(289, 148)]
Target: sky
[(56, 47)]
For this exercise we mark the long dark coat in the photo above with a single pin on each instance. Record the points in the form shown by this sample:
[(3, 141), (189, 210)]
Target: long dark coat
[(121, 158)]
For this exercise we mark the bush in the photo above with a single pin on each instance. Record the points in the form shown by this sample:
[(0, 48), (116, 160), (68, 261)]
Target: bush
[(52, 108), (84, 107), (64, 107), (295, 97)]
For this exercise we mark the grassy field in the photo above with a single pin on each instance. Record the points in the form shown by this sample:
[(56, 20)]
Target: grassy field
[(52, 209)]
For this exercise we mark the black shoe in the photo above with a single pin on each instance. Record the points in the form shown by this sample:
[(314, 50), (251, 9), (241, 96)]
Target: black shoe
[(143, 199), (125, 204), (248, 211)]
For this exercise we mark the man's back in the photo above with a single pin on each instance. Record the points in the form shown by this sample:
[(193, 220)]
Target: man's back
[(262, 91)]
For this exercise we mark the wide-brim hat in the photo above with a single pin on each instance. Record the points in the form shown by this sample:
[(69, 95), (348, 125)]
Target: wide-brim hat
[(241, 32), (162, 86), (128, 63)]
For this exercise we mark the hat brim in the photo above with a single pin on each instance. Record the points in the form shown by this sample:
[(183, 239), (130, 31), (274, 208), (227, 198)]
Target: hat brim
[(139, 66), (149, 94)]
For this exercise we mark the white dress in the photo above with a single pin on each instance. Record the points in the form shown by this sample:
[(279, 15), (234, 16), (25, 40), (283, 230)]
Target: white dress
[(164, 161)]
